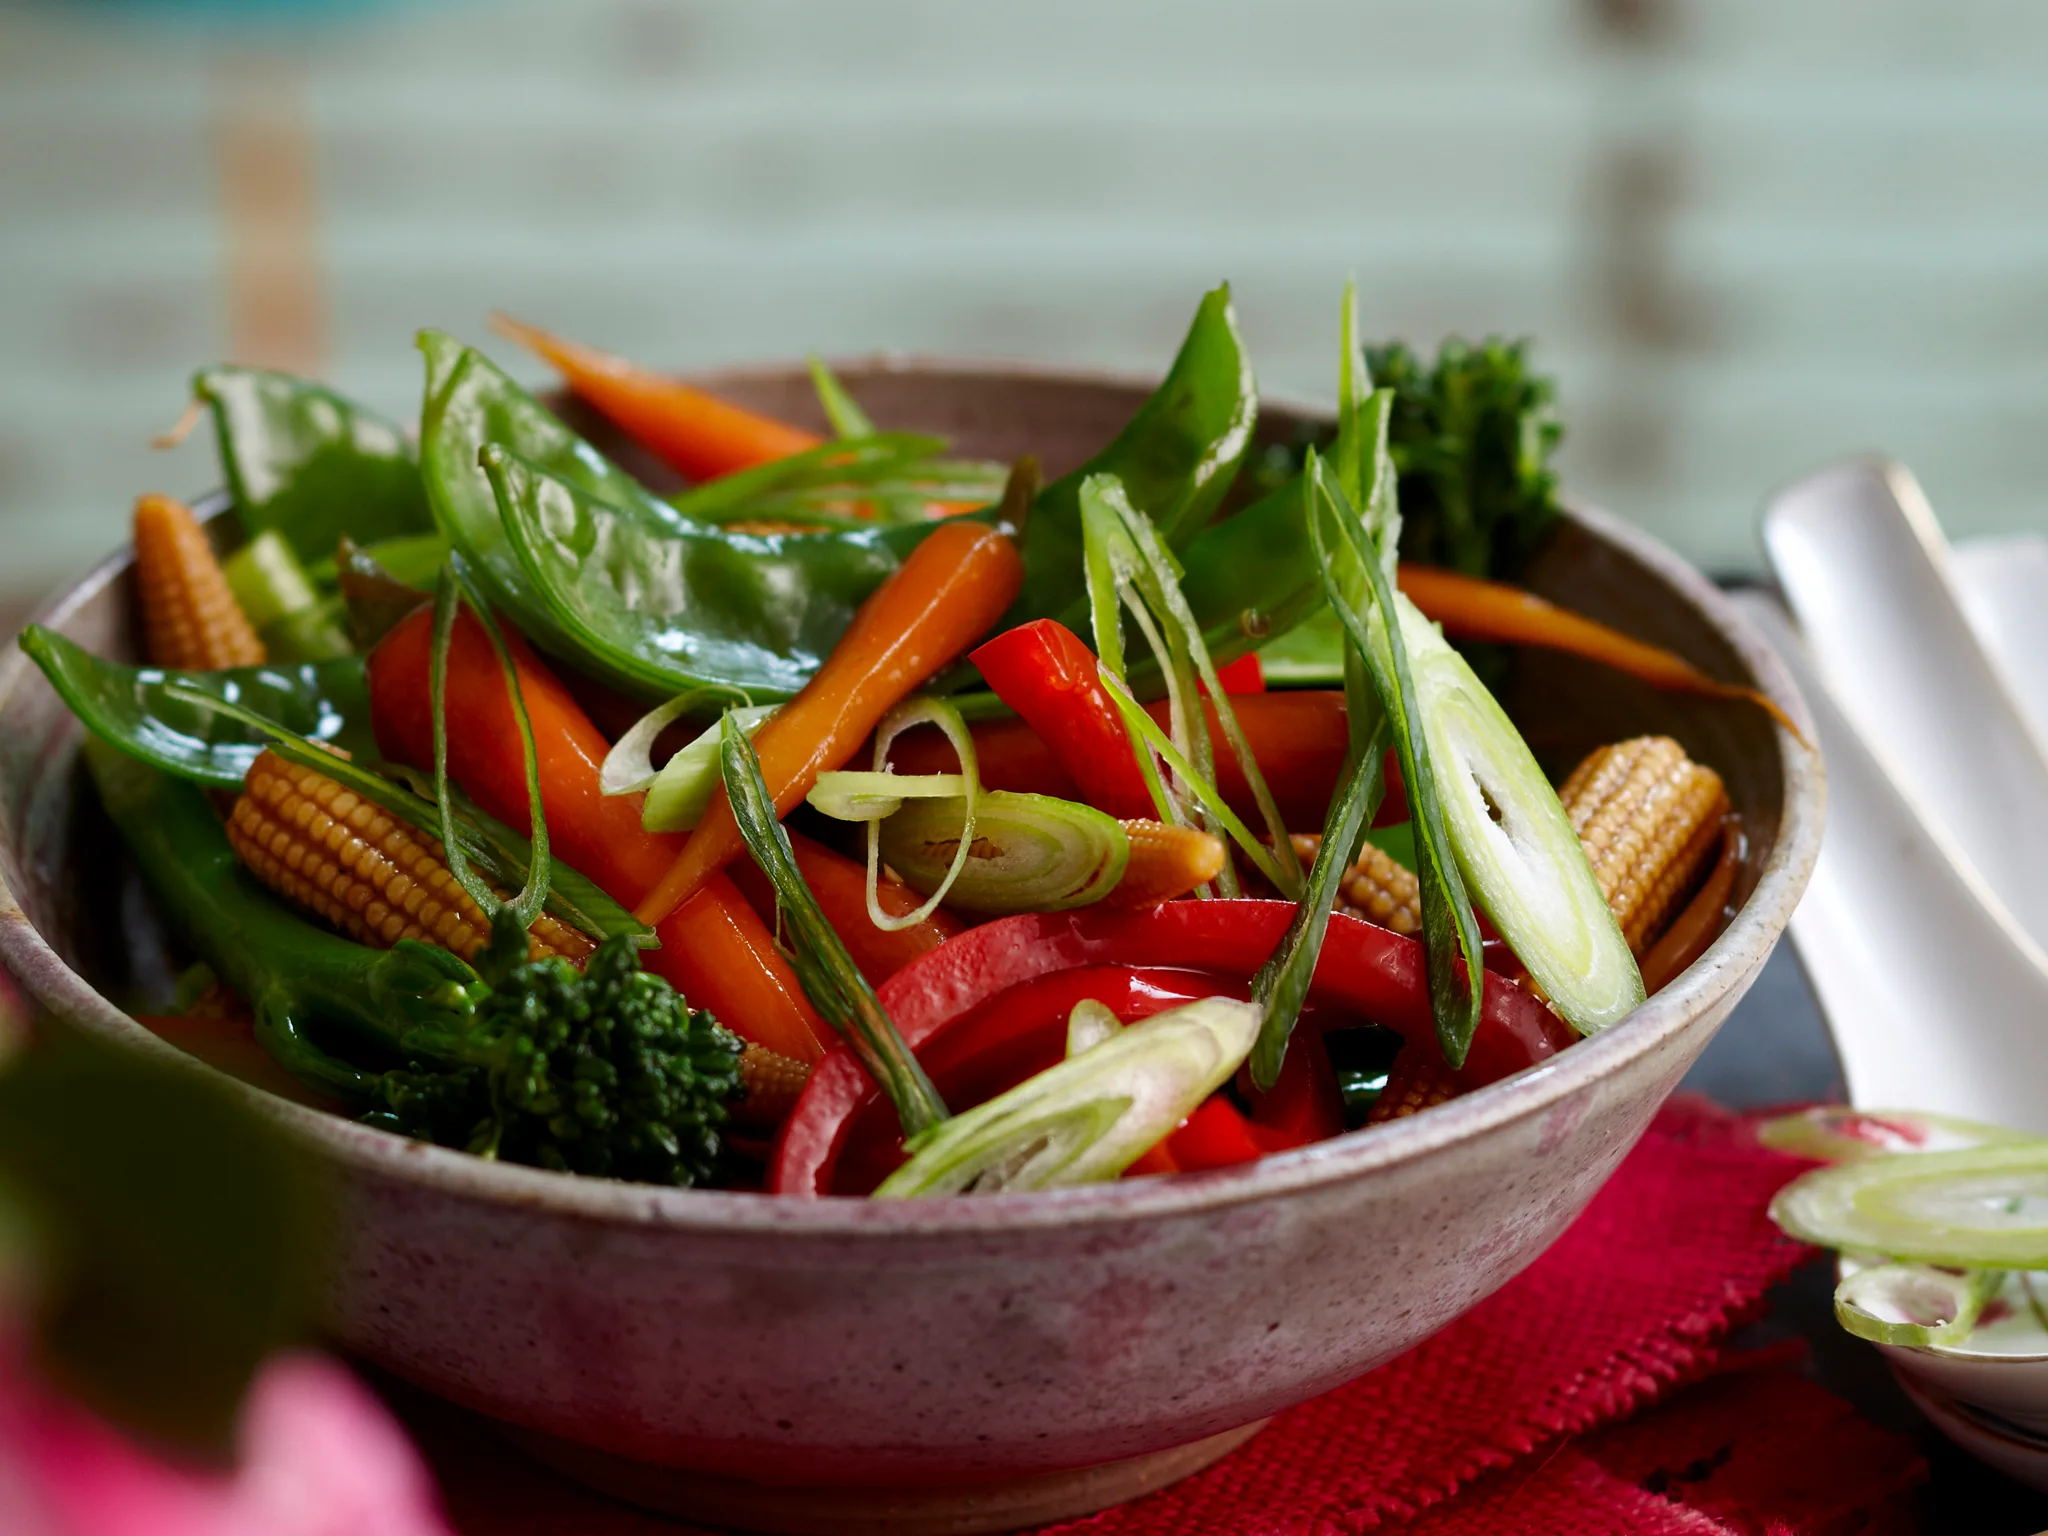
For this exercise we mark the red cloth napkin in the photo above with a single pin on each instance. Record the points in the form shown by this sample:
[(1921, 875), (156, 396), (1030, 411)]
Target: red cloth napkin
[(1512, 1417)]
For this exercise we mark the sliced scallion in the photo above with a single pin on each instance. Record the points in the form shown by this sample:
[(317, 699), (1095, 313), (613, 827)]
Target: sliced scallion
[(1024, 853), (1984, 1207), (682, 791), (830, 979), (847, 795), (1089, 1117), (629, 767), (1916, 1305), (914, 712), (1836, 1133)]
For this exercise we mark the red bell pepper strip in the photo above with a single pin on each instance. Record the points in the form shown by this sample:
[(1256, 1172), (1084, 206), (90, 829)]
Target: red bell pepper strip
[(1214, 1136), (1046, 672), (714, 950), (1298, 735), (692, 430), (988, 1008), (945, 596), (1243, 675)]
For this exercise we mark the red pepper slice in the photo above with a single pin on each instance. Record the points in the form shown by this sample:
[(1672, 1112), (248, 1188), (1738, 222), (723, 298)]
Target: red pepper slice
[(983, 1008), (1243, 675), (1045, 672)]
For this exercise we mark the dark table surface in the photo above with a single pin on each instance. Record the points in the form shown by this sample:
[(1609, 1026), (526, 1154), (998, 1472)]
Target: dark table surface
[(1774, 1049)]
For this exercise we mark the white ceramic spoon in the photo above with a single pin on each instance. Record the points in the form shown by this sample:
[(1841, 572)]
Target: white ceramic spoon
[(1865, 568), (2004, 586), (1936, 999)]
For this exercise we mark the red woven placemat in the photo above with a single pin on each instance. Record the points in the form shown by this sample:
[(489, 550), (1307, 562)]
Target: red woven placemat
[(1501, 1421)]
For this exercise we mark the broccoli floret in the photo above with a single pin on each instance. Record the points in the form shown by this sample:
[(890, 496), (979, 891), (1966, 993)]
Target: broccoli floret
[(604, 1072)]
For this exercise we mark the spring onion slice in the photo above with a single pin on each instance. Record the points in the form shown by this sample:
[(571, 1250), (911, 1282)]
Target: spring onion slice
[(841, 409), (456, 587), (499, 851), (1026, 853), (1916, 1305), (1089, 1024), (845, 795), (629, 767), (830, 979), (1984, 1207), (1088, 1117), (1159, 582), (682, 791), (1449, 930), (1143, 727), (915, 711), (1836, 1133), (1281, 986)]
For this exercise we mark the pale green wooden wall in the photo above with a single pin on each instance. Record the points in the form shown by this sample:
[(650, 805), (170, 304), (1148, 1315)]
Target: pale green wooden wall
[(1749, 235)]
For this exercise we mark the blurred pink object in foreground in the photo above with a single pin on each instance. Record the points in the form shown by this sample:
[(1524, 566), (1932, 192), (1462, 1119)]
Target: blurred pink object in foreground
[(319, 1457)]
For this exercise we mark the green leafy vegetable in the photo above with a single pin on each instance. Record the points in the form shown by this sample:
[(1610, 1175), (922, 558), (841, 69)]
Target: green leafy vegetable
[(1176, 458), (606, 1072), (1089, 1117), (830, 979), (310, 463), (141, 711)]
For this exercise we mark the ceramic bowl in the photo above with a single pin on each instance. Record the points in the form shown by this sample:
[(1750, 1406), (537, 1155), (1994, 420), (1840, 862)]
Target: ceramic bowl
[(960, 1364)]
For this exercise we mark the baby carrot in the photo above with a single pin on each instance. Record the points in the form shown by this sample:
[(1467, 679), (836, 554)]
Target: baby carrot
[(714, 949), (696, 432), (841, 886), (943, 598), (1469, 608)]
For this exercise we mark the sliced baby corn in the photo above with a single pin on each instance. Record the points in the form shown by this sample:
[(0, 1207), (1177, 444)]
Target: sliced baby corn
[(1166, 861), (1419, 1080), (1650, 820), (773, 1082), (190, 619), (369, 874)]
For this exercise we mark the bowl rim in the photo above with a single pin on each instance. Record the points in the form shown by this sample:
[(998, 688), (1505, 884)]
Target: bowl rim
[(361, 1150)]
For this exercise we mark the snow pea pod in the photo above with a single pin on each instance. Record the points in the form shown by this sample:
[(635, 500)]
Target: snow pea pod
[(658, 610), (311, 463), (1176, 458), (133, 709)]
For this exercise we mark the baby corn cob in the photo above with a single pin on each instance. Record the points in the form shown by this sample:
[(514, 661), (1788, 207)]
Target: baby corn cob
[(1420, 1078), (773, 1082), (1166, 861), (1650, 819), (190, 619), (366, 872), (1383, 891)]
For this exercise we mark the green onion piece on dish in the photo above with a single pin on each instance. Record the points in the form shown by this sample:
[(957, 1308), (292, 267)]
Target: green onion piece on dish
[(1025, 853), (629, 767), (1836, 1133), (841, 409), (1985, 1207), (1088, 1117), (1916, 1305), (830, 979), (682, 791), (848, 795)]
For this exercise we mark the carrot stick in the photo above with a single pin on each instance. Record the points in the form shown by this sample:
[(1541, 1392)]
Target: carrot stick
[(841, 886), (943, 598), (714, 949), (696, 432), (1471, 609)]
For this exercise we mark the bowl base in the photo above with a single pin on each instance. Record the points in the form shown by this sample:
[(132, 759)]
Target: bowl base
[(959, 1509)]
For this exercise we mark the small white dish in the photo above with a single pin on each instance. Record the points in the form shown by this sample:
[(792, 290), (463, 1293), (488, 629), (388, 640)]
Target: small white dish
[(1865, 569), (2004, 587)]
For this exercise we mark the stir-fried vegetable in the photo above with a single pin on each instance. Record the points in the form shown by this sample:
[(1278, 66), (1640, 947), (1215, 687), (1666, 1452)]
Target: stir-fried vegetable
[(1025, 853), (273, 590), (190, 619), (311, 464), (695, 432), (948, 593), (607, 1072), (1089, 1117), (715, 949)]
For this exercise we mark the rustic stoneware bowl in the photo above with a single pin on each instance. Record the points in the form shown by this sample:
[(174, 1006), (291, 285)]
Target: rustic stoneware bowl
[(962, 1364)]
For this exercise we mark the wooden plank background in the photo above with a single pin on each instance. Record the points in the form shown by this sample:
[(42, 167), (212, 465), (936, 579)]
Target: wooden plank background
[(1748, 235)]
